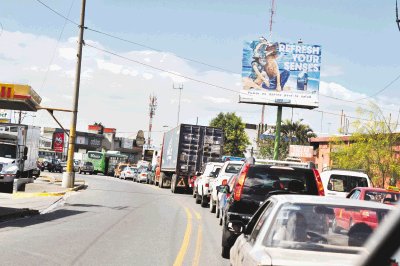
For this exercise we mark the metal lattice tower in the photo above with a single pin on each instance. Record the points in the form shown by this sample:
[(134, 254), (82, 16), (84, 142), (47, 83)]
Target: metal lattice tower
[(152, 111)]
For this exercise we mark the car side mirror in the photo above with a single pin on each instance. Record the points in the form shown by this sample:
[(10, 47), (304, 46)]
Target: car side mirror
[(329, 186), (237, 227)]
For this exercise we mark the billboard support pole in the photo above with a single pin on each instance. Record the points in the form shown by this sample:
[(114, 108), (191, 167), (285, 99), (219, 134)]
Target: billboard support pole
[(277, 133)]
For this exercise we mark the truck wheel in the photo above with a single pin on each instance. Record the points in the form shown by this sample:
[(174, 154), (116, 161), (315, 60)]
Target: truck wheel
[(203, 201), (161, 181)]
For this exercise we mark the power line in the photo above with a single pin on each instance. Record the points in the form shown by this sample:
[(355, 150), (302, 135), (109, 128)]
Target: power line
[(1, 29), (387, 86), (58, 42), (200, 62), (58, 13)]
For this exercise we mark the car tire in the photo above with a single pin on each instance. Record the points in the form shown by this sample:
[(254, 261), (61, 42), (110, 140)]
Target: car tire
[(161, 183), (194, 192), (198, 199), (225, 252), (217, 210), (212, 206), (203, 201)]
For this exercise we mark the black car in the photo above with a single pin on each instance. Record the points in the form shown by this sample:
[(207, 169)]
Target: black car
[(255, 183), (52, 165)]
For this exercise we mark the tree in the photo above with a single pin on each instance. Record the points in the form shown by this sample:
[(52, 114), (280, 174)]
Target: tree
[(372, 147), (291, 133), (235, 138)]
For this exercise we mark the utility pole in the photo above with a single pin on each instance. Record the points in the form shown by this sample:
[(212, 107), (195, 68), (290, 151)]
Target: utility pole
[(152, 111), (180, 88), (397, 17), (68, 180)]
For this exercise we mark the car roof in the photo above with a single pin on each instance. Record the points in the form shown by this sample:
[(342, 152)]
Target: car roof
[(306, 199), (376, 189), (234, 162), (344, 172)]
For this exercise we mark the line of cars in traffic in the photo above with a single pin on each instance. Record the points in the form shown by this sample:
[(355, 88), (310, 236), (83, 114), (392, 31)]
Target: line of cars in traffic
[(55, 165), (287, 213)]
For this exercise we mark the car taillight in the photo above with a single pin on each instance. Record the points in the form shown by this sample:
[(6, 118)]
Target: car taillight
[(206, 185), (224, 182), (237, 193), (143, 174), (128, 172), (320, 186)]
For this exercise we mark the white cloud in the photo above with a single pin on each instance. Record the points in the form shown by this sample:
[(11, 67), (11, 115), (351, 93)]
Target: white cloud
[(147, 76), (331, 71), (175, 78), (54, 67), (113, 68), (216, 100), (67, 53)]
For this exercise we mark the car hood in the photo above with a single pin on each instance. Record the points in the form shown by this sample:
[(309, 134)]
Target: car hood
[(292, 257), (4, 160)]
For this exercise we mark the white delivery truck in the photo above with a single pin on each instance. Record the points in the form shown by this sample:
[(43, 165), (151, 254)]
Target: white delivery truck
[(19, 152)]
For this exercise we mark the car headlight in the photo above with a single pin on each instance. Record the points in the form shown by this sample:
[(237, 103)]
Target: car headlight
[(13, 169)]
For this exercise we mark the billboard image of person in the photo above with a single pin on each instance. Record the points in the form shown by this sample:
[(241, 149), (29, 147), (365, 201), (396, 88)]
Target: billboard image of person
[(281, 73)]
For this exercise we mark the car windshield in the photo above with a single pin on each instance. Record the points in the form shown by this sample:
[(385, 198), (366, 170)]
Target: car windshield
[(233, 168), (326, 228), (88, 164), (133, 169), (261, 180), (345, 183), (8, 151), (383, 197)]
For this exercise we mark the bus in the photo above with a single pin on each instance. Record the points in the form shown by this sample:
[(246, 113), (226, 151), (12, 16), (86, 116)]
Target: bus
[(46, 154), (105, 162)]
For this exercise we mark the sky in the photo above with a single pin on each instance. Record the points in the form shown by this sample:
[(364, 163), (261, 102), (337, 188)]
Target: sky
[(360, 56)]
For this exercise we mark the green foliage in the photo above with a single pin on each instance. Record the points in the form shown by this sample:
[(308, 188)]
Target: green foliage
[(292, 133), (372, 147), (235, 138)]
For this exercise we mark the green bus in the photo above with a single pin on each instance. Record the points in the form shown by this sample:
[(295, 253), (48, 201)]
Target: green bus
[(105, 162)]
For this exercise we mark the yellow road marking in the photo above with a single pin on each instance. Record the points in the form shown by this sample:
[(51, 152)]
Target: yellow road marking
[(199, 240), (186, 239)]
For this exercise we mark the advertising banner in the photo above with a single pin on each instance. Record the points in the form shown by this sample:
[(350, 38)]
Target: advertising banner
[(301, 151), (94, 142), (58, 142), (281, 74), (127, 143), (5, 116)]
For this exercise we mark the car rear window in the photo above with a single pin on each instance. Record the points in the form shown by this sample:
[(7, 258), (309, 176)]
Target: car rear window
[(345, 183), (233, 168), (262, 180)]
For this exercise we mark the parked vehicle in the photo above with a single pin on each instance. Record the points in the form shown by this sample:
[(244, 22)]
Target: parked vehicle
[(142, 176), (228, 169), (19, 151), (129, 172), (210, 173), (390, 196), (76, 166), (338, 183), (186, 149), (292, 230), (256, 182), (151, 175), (118, 169), (52, 165), (86, 167)]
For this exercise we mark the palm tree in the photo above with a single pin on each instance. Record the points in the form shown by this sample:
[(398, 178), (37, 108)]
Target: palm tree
[(296, 132)]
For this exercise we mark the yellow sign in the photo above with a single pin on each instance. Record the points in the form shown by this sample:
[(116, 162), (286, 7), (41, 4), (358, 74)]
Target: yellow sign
[(6, 91)]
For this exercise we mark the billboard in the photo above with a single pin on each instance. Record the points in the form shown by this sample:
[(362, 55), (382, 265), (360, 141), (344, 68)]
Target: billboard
[(127, 143), (58, 142), (301, 151), (280, 73), (5, 116)]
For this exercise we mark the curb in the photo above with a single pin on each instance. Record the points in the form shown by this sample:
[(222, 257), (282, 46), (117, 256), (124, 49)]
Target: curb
[(47, 194)]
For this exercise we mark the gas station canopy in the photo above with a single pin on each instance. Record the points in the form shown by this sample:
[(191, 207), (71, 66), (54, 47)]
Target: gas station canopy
[(19, 97)]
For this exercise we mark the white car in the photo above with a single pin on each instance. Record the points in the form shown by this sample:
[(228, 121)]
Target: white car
[(338, 183), (210, 172), (128, 172), (142, 176), (297, 230), (229, 169)]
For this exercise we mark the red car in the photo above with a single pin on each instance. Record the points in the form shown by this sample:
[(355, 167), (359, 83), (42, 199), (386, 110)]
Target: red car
[(388, 196), (346, 218)]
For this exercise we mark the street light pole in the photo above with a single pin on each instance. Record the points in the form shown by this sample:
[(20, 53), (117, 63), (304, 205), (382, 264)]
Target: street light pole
[(180, 88), (69, 176)]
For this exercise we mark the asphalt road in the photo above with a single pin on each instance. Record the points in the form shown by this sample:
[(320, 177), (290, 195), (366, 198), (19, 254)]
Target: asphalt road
[(116, 222)]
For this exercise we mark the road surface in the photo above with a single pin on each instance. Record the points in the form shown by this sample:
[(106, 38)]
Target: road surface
[(116, 222)]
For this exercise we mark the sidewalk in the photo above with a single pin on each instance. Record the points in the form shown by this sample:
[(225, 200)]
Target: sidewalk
[(36, 198)]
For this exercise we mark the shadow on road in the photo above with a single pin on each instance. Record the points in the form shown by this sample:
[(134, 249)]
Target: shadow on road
[(38, 219), (98, 206)]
